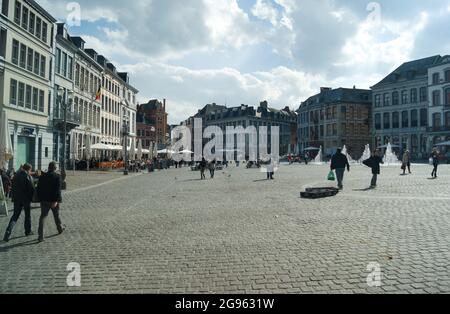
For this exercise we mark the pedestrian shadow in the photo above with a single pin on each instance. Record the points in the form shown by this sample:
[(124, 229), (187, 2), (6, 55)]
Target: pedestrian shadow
[(363, 190), (191, 180), (261, 180), (4, 249)]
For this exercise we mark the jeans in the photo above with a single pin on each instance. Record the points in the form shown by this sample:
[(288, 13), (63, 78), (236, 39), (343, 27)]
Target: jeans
[(18, 207), (340, 176), (435, 169), (211, 172), (45, 209), (374, 180), (270, 175)]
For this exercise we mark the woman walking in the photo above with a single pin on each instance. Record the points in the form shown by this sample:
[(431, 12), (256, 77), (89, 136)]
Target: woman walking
[(406, 162), (435, 160)]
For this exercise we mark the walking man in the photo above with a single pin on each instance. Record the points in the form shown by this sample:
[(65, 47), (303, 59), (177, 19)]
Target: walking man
[(212, 168), (49, 192), (374, 163), (406, 162), (22, 196), (435, 158), (203, 165), (339, 162)]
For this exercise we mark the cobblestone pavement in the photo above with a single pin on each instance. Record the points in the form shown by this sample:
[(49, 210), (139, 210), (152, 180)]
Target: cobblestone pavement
[(82, 179), (168, 232)]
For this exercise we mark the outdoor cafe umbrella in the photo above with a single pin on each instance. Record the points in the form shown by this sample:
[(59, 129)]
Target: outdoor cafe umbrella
[(155, 150), (139, 150), (443, 144), (6, 148), (132, 155), (311, 149)]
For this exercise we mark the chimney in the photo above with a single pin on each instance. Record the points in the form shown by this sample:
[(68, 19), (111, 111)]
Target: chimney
[(164, 104), (325, 89)]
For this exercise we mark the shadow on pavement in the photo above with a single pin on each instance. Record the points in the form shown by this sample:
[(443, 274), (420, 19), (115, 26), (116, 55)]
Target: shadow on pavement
[(4, 249)]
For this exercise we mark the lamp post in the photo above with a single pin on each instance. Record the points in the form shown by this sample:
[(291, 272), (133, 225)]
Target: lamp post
[(64, 104), (125, 134)]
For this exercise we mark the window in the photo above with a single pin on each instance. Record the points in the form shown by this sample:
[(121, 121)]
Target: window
[(77, 75), (31, 26), (423, 117), (17, 11), (58, 60), (386, 100), (21, 97), (35, 98), (436, 120), (395, 120), (395, 99), (23, 55), (28, 97), (30, 60), (404, 97), (37, 58), (70, 67), (447, 76), (25, 18), (377, 100), (41, 101), (15, 52), (386, 121), (64, 64), (414, 118), (447, 96), (13, 93), (436, 98), (436, 78), (38, 27), (378, 121), (5, 7), (43, 66), (423, 94), (414, 95), (44, 32), (405, 119), (447, 119), (2, 42)]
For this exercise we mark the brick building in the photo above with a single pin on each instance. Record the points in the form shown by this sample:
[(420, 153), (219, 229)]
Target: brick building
[(152, 123)]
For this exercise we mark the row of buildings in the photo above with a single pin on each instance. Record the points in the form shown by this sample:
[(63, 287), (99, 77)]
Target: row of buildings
[(409, 108), (51, 83)]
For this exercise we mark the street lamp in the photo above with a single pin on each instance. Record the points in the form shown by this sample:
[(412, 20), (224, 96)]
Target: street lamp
[(64, 104), (125, 134)]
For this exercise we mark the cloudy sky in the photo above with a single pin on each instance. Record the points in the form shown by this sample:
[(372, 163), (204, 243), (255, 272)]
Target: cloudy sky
[(194, 52)]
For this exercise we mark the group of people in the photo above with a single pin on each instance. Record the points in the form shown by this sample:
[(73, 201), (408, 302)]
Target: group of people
[(211, 166), (24, 191), (339, 163)]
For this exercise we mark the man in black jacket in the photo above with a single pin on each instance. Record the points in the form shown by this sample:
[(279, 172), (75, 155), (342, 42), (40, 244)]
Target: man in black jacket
[(339, 162), (22, 196), (49, 193)]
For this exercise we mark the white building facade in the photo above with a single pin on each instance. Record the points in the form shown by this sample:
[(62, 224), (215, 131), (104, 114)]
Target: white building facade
[(27, 44)]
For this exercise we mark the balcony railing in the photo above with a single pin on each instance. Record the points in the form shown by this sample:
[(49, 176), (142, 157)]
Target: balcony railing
[(439, 129), (73, 119)]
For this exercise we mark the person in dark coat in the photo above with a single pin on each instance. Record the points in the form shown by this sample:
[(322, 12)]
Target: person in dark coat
[(339, 162), (212, 168), (22, 196), (435, 158), (203, 165), (49, 193), (374, 163)]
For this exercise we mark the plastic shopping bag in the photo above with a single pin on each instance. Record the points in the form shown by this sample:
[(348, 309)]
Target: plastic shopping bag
[(331, 176)]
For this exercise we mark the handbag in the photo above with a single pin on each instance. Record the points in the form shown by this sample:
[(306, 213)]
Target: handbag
[(331, 176)]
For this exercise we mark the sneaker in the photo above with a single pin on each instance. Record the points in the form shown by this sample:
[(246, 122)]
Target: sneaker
[(62, 229)]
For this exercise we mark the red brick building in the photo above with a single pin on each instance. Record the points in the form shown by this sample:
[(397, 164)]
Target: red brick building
[(151, 123)]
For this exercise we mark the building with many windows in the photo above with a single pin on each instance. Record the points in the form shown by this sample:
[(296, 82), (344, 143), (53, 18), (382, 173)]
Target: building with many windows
[(400, 108), (439, 105), (27, 45), (152, 124), (245, 116), (334, 118)]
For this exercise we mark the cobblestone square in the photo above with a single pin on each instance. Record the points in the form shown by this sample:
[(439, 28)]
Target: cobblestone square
[(169, 232)]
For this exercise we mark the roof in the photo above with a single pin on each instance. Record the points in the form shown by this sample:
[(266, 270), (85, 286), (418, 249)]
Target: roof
[(153, 104), (41, 10), (347, 95), (409, 71)]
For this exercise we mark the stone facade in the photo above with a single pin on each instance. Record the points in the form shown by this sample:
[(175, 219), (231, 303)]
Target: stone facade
[(334, 118), (400, 108)]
